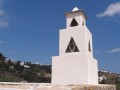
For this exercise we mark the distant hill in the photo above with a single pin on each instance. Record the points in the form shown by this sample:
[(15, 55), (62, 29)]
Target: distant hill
[(18, 71)]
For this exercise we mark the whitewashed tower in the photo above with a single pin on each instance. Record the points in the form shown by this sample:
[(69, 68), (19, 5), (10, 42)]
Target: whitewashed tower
[(75, 63)]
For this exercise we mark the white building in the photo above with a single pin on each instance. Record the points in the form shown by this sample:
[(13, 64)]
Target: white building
[(103, 77), (75, 63)]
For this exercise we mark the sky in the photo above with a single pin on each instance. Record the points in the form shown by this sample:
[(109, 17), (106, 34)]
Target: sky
[(29, 29)]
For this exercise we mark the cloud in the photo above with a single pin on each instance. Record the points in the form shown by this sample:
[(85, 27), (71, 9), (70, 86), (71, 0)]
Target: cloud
[(2, 13), (114, 50), (3, 16), (1, 2), (4, 22), (112, 9), (1, 42)]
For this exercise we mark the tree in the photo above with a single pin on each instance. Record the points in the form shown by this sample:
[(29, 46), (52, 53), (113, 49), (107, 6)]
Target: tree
[(10, 63), (28, 63), (2, 58), (18, 67)]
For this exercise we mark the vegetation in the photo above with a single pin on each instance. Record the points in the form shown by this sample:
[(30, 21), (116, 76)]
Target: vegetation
[(111, 78), (23, 71)]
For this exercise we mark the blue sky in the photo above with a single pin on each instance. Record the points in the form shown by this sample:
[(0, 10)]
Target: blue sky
[(29, 29)]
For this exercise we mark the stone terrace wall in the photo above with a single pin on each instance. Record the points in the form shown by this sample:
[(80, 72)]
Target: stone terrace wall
[(80, 87), (43, 86), (93, 87)]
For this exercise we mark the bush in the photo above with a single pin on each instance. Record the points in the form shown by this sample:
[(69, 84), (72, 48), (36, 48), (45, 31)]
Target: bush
[(9, 78)]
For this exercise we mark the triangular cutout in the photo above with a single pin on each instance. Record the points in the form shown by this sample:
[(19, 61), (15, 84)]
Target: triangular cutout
[(74, 23), (72, 46), (89, 46)]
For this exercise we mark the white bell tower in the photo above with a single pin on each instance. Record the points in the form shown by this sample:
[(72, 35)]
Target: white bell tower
[(75, 63)]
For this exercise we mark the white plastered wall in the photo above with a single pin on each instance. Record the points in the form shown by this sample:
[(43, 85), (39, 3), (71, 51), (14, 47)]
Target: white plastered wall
[(88, 37), (78, 17), (71, 69), (78, 36), (75, 67), (93, 71), (78, 67)]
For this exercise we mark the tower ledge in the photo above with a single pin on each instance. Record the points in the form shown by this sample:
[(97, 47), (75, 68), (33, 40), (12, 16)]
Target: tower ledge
[(75, 10)]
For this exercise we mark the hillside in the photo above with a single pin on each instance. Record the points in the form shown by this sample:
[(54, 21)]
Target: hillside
[(109, 78), (23, 71)]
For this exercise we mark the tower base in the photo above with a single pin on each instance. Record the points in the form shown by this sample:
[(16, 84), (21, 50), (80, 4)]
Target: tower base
[(74, 69)]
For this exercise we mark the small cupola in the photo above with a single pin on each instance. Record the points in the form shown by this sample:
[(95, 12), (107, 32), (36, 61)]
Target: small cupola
[(76, 17)]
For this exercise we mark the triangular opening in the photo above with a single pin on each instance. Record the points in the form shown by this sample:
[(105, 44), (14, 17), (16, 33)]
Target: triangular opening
[(72, 46), (89, 47), (74, 23)]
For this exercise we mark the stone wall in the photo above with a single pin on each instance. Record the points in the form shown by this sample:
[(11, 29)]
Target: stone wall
[(44, 86), (78, 87), (93, 87)]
